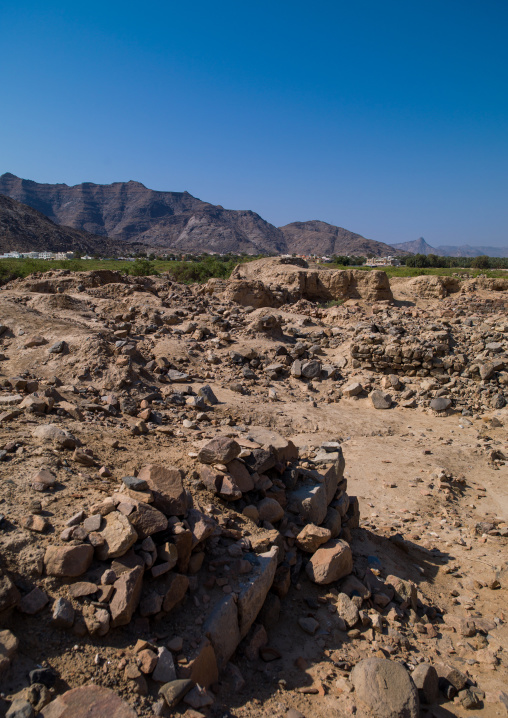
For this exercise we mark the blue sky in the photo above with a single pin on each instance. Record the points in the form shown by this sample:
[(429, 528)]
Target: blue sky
[(387, 118)]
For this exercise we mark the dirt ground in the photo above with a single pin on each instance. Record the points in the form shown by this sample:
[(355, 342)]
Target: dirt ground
[(414, 523)]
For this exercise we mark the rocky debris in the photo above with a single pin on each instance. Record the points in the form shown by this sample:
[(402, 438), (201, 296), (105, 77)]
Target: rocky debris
[(385, 688), (195, 526)]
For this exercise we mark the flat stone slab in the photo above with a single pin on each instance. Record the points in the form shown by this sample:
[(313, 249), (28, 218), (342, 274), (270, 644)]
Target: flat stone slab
[(88, 702)]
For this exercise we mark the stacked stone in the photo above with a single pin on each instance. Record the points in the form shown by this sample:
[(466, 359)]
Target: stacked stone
[(144, 548), (418, 358), (433, 350), (300, 507)]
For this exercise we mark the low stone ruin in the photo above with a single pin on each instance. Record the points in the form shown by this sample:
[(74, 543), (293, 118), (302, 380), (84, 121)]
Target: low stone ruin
[(150, 547)]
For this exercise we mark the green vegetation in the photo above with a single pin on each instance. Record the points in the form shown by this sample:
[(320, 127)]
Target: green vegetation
[(332, 303), (191, 269), (346, 261), (433, 261)]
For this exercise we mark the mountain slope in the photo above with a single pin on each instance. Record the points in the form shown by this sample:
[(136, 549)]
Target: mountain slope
[(419, 246), (24, 229), (129, 211), (316, 237)]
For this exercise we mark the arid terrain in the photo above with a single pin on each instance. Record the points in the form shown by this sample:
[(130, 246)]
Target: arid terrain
[(283, 494)]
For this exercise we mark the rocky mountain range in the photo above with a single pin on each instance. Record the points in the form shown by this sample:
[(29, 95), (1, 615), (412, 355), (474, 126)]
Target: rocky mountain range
[(24, 229), (420, 246), (130, 212)]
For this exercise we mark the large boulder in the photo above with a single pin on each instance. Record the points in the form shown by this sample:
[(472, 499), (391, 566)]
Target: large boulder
[(166, 483), (252, 596), (385, 688), (54, 434), (220, 450), (68, 561), (332, 561)]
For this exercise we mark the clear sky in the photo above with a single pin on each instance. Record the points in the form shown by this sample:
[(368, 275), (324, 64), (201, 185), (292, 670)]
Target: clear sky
[(387, 118)]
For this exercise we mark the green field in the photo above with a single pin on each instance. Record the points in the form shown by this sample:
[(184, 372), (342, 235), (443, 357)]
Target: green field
[(199, 270)]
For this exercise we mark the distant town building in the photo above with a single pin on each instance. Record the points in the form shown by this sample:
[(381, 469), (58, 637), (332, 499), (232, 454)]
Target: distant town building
[(384, 262), (38, 255)]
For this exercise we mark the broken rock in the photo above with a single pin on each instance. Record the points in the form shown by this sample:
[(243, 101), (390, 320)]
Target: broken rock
[(331, 561)]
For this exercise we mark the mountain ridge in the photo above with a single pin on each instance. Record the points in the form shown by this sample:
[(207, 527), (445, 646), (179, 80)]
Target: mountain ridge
[(130, 212), (420, 246), (25, 229), (304, 237)]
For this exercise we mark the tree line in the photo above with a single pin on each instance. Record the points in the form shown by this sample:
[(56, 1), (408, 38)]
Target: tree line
[(433, 260)]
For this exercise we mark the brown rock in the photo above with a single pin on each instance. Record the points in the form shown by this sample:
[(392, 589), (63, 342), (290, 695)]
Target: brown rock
[(147, 661), (88, 702), (228, 489), (167, 486), (36, 523), (184, 542), (128, 592), (220, 450), (82, 588), (241, 477), (81, 457), (202, 667), (270, 510), (332, 561), (118, 536), (174, 691), (43, 480), (33, 602), (68, 561), (147, 521), (201, 526), (311, 537), (176, 590)]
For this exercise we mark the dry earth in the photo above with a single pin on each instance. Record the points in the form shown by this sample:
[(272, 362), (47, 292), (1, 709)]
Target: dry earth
[(431, 488)]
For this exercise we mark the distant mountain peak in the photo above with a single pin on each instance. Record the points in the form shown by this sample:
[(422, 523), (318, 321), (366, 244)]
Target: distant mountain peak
[(418, 246), (321, 238)]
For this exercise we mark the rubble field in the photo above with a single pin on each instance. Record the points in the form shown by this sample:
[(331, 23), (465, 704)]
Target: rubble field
[(282, 494)]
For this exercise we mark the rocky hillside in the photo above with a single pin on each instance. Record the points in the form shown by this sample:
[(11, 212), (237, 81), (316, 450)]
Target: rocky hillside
[(420, 246), (131, 212), (26, 230), (318, 237)]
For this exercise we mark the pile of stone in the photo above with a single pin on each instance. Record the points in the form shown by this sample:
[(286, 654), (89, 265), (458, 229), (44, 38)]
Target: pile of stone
[(138, 554)]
